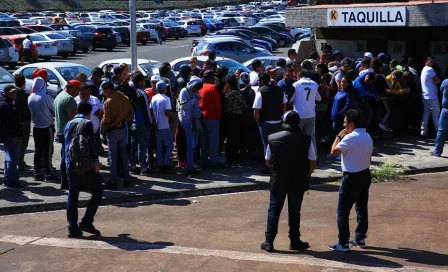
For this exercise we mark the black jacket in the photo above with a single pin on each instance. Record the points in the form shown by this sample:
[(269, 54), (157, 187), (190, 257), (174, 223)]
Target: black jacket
[(289, 161), (9, 121), (21, 107)]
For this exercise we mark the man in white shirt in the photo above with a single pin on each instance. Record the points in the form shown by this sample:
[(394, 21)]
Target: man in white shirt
[(356, 146), (97, 110), (257, 68), (161, 111), (304, 102), (430, 98), (27, 53)]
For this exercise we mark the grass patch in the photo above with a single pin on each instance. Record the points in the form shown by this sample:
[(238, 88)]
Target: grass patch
[(388, 171)]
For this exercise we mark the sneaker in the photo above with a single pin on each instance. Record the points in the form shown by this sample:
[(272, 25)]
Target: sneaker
[(432, 153), (127, 183), (360, 243), (269, 247), (110, 186), (51, 178), (39, 177), (383, 127), (298, 245), (74, 233), (14, 186), (181, 165), (89, 229), (339, 247), (147, 172)]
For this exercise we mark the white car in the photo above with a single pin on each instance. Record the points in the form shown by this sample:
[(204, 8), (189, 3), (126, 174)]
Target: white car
[(45, 47), (274, 18), (192, 27), (13, 54), (64, 45), (147, 67), (59, 73), (24, 22), (265, 61)]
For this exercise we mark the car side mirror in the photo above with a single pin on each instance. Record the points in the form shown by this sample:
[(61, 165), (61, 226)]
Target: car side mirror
[(253, 50), (54, 82)]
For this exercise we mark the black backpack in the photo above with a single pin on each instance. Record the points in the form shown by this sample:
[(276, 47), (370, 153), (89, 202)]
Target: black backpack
[(79, 150)]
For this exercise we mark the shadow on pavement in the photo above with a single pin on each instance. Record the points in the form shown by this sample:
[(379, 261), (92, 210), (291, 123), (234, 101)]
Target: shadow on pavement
[(173, 202), (125, 242), (411, 255)]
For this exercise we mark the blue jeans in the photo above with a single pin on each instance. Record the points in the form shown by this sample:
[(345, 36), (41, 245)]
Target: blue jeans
[(430, 107), (11, 149), (116, 141), (139, 146), (442, 132), (164, 140), (210, 142), (354, 189), (277, 199), (191, 138), (62, 166), (267, 129)]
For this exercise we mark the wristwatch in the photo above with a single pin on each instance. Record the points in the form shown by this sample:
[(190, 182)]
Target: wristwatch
[(339, 137)]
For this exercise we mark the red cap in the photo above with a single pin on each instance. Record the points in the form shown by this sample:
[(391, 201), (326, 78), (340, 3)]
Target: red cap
[(40, 72), (74, 83)]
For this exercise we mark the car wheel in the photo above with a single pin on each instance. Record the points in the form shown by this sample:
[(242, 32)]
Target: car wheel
[(144, 42), (282, 43), (110, 49), (85, 50), (12, 65), (155, 41), (65, 55), (177, 37), (296, 38), (47, 58)]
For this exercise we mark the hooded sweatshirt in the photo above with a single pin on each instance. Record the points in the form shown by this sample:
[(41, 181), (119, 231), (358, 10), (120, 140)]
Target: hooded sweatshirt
[(117, 110), (187, 108), (41, 105)]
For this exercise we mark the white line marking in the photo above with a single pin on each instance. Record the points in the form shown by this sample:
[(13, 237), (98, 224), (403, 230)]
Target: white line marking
[(179, 46), (233, 255)]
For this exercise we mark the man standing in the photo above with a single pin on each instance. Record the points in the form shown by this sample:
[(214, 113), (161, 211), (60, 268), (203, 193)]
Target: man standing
[(304, 101), (27, 53), (117, 112), (292, 160), (65, 110), (95, 80), (42, 111), (257, 68), (160, 29), (430, 98), (345, 68), (356, 147), (161, 111), (442, 133), (292, 55), (287, 84), (210, 105), (10, 135), (24, 114), (83, 169)]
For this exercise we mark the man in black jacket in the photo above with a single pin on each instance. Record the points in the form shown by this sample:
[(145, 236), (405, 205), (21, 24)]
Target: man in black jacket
[(292, 160), (24, 114), (10, 135)]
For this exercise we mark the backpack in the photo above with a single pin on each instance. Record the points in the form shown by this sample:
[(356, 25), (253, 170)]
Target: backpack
[(333, 82), (78, 150)]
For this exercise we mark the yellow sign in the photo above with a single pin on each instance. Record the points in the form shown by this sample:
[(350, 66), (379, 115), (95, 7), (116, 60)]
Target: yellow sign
[(334, 15)]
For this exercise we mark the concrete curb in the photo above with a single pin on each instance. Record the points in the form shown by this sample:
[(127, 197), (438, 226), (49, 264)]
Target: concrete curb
[(32, 208)]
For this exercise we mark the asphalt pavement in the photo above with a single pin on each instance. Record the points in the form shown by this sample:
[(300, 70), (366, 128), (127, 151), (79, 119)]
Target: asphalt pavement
[(407, 232)]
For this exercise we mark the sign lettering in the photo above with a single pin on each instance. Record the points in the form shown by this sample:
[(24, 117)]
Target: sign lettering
[(440, 48), (360, 47), (373, 16)]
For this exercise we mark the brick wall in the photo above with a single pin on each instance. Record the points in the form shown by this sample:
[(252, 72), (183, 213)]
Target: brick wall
[(418, 15)]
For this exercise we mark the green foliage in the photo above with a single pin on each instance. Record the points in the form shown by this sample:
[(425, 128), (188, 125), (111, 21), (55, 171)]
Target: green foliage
[(388, 171)]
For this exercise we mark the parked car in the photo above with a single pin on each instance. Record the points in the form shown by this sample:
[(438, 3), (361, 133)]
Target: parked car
[(234, 49), (85, 44), (65, 46), (143, 35), (255, 35), (59, 27), (13, 54), (46, 48), (9, 31), (125, 34), (192, 27), (5, 57), (59, 73), (75, 41), (9, 23), (40, 28), (101, 37), (281, 38), (255, 42), (220, 61), (26, 22), (152, 31), (25, 30), (274, 18), (174, 30), (6, 78), (147, 67), (265, 61), (213, 24)]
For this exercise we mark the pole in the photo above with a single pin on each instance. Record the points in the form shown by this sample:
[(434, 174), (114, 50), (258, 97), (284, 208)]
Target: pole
[(79, 16), (133, 35)]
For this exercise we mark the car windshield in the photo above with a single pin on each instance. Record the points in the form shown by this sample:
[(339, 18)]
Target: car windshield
[(55, 36), (150, 68), (70, 72), (5, 76), (169, 24), (232, 65), (38, 38)]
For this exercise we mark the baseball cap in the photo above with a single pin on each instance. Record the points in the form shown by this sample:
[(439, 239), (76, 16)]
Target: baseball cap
[(9, 89), (346, 61), (161, 85), (40, 72), (244, 78), (155, 78), (291, 119), (269, 68), (368, 55), (208, 74), (118, 71), (337, 52), (74, 83)]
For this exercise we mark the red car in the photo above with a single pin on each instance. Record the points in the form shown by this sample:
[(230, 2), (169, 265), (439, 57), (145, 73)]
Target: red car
[(40, 28)]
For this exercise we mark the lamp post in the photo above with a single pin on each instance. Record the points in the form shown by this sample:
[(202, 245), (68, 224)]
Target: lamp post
[(133, 35)]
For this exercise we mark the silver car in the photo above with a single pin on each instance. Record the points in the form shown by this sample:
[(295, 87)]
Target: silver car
[(229, 48), (65, 45)]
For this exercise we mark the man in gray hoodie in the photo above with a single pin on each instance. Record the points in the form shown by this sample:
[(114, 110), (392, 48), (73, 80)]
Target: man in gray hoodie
[(42, 112)]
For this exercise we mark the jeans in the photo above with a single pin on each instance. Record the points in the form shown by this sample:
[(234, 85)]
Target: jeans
[(267, 129), (442, 133), (233, 124), (11, 173), (23, 144), (91, 182), (139, 146), (63, 166), (42, 143), (277, 199), (164, 140), (354, 189), (191, 138), (307, 125), (430, 107), (116, 141), (180, 143), (210, 142)]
